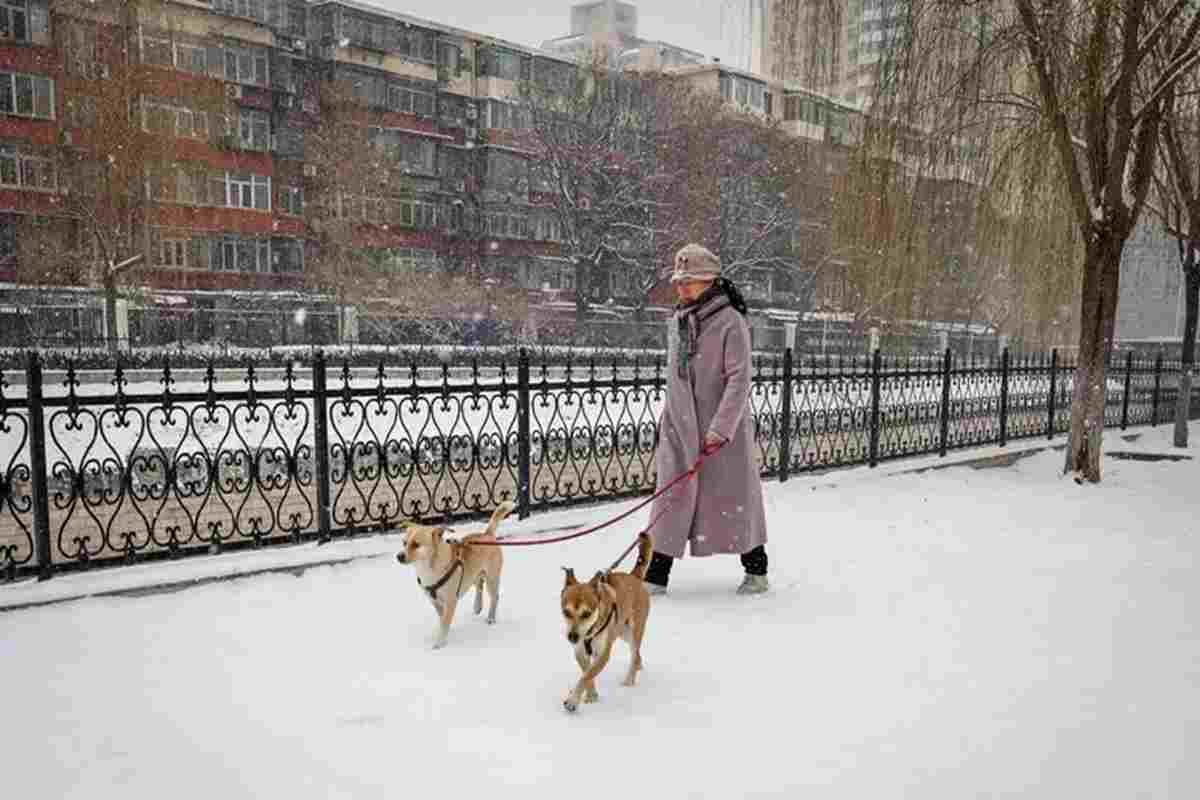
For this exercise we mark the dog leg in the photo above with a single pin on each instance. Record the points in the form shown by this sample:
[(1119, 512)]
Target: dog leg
[(633, 635), (493, 585), (479, 595), (585, 690), (444, 620)]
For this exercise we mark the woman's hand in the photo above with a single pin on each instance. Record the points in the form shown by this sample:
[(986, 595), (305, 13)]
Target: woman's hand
[(713, 440)]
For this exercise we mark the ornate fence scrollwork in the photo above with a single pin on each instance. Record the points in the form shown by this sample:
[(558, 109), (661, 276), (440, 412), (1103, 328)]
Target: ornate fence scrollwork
[(109, 467)]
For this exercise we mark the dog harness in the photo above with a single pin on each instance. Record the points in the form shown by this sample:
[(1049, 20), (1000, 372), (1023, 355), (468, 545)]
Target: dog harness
[(433, 590), (587, 643)]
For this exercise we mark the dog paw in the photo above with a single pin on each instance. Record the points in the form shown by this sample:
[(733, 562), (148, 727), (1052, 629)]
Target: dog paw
[(570, 705), (491, 620)]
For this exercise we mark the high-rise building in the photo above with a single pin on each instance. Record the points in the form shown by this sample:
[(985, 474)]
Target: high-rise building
[(830, 46), (608, 29)]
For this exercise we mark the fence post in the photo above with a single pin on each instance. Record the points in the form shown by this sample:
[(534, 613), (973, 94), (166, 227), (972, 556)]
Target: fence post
[(1004, 397), (524, 446), (785, 429), (1053, 393), (944, 412), (1128, 381), (876, 365), (321, 442), (1158, 362), (39, 471)]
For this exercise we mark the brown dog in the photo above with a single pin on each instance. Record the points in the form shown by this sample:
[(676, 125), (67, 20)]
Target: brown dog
[(447, 568), (610, 605)]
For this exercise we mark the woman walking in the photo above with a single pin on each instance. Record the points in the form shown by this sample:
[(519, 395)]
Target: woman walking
[(708, 389)]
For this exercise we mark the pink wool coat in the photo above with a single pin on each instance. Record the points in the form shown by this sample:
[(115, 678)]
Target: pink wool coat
[(721, 510)]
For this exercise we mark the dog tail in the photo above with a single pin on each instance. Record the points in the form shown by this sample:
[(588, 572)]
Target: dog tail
[(502, 511), (645, 550)]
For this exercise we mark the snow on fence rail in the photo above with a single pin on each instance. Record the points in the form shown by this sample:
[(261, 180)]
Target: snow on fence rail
[(130, 467)]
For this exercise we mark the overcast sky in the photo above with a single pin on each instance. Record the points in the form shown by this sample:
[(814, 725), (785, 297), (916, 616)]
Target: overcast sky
[(693, 24)]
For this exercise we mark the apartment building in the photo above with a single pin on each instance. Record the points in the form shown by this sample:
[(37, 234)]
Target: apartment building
[(227, 99)]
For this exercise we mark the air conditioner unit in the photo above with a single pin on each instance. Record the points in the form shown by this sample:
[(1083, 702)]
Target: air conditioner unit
[(234, 90), (310, 170)]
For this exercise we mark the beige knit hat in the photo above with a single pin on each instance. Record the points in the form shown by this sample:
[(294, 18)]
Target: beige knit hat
[(695, 262)]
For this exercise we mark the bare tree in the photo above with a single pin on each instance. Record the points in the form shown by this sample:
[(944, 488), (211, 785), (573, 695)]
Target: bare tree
[(596, 164)]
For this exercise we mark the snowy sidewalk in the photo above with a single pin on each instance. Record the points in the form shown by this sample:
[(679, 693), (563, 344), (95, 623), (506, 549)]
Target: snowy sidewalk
[(951, 634)]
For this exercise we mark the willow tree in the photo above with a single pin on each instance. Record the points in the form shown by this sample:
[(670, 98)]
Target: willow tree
[(1178, 210), (1076, 76)]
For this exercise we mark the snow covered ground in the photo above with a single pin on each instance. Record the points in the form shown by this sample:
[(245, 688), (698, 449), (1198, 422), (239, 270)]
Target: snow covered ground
[(951, 634)]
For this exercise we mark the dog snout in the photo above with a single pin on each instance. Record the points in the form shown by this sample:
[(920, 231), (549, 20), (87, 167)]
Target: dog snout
[(573, 637), (403, 559)]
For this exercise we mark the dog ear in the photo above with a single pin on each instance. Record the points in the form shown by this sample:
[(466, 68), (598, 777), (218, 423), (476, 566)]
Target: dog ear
[(599, 578), (570, 577)]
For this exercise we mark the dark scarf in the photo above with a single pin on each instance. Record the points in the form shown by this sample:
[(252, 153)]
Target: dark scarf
[(690, 318)]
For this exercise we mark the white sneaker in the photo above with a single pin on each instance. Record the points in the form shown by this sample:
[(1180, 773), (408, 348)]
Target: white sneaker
[(753, 584), (655, 588)]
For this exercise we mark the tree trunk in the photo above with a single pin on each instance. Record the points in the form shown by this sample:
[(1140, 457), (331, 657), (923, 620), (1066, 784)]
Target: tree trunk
[(1191, 299), (583, 287), (1098, 313), (110, 315)]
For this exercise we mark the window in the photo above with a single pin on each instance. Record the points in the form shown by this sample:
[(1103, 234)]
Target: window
[(405, 259), (503, 64), (168, 49), (414, 152), (506, 116), (165, 118), (450, 58), (26, 95), (240, 254), (14, 20), (8, 237), (248, 191), (246, 65), (26, 170), (417, 44), (254, 130), (287, 255), (291, 200), (547, 228), (410, 101), (172, 252), (501, 225)]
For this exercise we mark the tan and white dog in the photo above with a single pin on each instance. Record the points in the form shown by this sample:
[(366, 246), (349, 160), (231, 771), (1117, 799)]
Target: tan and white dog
[(611, 605), (447, 568)]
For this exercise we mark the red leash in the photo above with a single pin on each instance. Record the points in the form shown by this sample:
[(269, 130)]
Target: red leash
[(705, 452)]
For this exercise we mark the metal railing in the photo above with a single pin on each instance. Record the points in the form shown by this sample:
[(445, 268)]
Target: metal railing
[(122, 466)]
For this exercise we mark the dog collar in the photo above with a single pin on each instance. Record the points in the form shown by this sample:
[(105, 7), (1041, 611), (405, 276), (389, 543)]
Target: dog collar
[(587, 643)]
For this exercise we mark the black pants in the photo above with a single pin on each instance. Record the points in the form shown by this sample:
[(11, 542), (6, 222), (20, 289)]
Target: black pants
[(753, 561)]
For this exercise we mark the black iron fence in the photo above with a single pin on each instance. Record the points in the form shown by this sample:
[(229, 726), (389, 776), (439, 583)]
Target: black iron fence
[(120, 466)]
